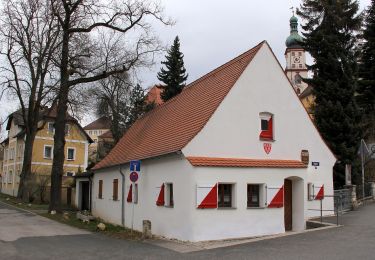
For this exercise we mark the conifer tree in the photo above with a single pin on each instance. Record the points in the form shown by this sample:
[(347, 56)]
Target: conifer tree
[(366, 88), (174, 75), (329, 34), (138, 105)]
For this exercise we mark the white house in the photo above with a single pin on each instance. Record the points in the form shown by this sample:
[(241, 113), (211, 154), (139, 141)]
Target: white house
[(234, 155)]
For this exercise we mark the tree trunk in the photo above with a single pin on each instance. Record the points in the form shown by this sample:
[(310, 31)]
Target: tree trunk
[(23, 188), (59, 137)]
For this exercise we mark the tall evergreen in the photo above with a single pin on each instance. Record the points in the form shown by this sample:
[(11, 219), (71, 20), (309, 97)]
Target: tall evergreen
[(174, 75), (366, 88), (329, 34)]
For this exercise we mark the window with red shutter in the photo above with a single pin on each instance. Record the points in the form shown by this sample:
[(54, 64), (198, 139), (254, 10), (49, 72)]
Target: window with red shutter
[(266, 126)]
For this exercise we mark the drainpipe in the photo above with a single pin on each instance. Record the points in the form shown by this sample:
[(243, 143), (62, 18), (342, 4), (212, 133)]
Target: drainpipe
[(122, 198)]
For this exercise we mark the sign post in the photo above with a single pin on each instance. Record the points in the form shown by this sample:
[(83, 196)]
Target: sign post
[(135, 168)]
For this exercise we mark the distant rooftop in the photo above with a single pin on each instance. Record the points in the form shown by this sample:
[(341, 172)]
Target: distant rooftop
[(100, 123)]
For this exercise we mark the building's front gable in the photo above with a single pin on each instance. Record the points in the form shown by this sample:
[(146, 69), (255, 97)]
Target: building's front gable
[(261, 92)]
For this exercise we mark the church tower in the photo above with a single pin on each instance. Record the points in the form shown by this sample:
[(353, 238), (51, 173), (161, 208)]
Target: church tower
[(295, 57)]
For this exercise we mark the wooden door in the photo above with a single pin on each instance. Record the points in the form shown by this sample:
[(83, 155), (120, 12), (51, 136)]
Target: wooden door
[(288, 205)]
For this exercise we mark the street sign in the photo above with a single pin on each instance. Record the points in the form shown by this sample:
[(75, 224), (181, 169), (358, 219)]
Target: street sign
[(133, 176), (135, 166)]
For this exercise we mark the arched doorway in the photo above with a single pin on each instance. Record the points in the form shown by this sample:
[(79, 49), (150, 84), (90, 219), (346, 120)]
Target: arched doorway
[(294, 219)]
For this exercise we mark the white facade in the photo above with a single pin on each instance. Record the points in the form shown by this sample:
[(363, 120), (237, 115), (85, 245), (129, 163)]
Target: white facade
[(231, 132)]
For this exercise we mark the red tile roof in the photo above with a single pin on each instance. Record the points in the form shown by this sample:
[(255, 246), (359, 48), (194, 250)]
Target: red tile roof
[(153, 95), (237, 162), (170, 127)]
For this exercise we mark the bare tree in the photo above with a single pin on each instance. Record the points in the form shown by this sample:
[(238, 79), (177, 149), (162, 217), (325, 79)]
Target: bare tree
[(81, 21), (30, 38)]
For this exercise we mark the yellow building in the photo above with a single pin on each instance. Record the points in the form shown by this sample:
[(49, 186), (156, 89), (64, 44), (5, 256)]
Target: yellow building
[(307, 98), (76, 149), (95, 130)]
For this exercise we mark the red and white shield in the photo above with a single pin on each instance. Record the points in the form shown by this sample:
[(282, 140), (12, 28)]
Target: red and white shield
[(267, 147)]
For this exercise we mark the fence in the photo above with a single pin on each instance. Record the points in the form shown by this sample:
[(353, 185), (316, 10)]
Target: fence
[(368, 191), (344, 201)]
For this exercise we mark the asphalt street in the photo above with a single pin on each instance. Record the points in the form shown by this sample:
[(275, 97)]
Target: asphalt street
[(26, 236)]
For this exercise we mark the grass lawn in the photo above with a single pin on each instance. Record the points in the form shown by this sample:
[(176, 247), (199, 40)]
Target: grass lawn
[(68, 217), (20, 204)]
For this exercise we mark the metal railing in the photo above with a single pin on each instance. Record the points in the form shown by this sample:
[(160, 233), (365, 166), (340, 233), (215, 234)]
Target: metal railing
[(336, 209)]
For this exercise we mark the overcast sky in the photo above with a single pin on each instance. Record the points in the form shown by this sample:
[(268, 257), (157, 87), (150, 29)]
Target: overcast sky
[(214, 31)]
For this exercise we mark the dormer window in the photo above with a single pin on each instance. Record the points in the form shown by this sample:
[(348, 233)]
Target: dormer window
[(266, 126)]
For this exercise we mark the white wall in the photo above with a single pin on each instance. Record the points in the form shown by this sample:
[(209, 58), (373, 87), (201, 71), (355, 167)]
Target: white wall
[(233, 130), (213, 224), (173, 222)]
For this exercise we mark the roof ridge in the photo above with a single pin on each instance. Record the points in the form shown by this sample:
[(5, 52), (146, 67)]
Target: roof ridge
[(216, 70), (170, 126), (230, 62)]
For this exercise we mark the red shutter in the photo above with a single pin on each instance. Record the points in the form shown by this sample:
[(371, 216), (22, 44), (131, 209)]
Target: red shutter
[(320, 194), (130, 194), (278, 200), (210, 201), (268, 134), (160, 201)]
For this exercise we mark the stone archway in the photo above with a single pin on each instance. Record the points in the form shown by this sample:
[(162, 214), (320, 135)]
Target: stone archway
[(294, 206)]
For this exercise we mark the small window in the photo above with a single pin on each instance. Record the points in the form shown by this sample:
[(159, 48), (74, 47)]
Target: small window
[(51, 128), (100, 195), (47, 152), (293, 54), (115, 189), (135, 193), (10, 179), (299, 53), (71, 154), (266, 126), (225, 196), (293, 65), (69, 174), (300, 65), (253, 196), (169, 195)]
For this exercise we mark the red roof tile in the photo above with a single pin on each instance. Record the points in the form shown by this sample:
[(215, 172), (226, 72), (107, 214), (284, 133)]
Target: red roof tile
[(170, 127), (153, 95), (237, 162)]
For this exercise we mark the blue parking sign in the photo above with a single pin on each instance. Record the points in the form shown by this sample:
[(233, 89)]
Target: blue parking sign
[(135, 166)]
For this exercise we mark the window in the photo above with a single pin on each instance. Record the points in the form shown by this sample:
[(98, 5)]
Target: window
[(115, 189), (266, 126), (293, 65), (10, 177), (51, 128), (253, 195), (47, 152), (71, 154), (100, 195), (293, 53), (69, 174), (169, 195), (300, 65), (299, 53), (225, 196)]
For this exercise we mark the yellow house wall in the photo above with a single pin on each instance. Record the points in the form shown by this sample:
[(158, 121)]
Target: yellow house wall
[(75, 139)]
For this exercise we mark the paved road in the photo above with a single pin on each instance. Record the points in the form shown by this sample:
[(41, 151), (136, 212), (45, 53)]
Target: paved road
[(356, 240)]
